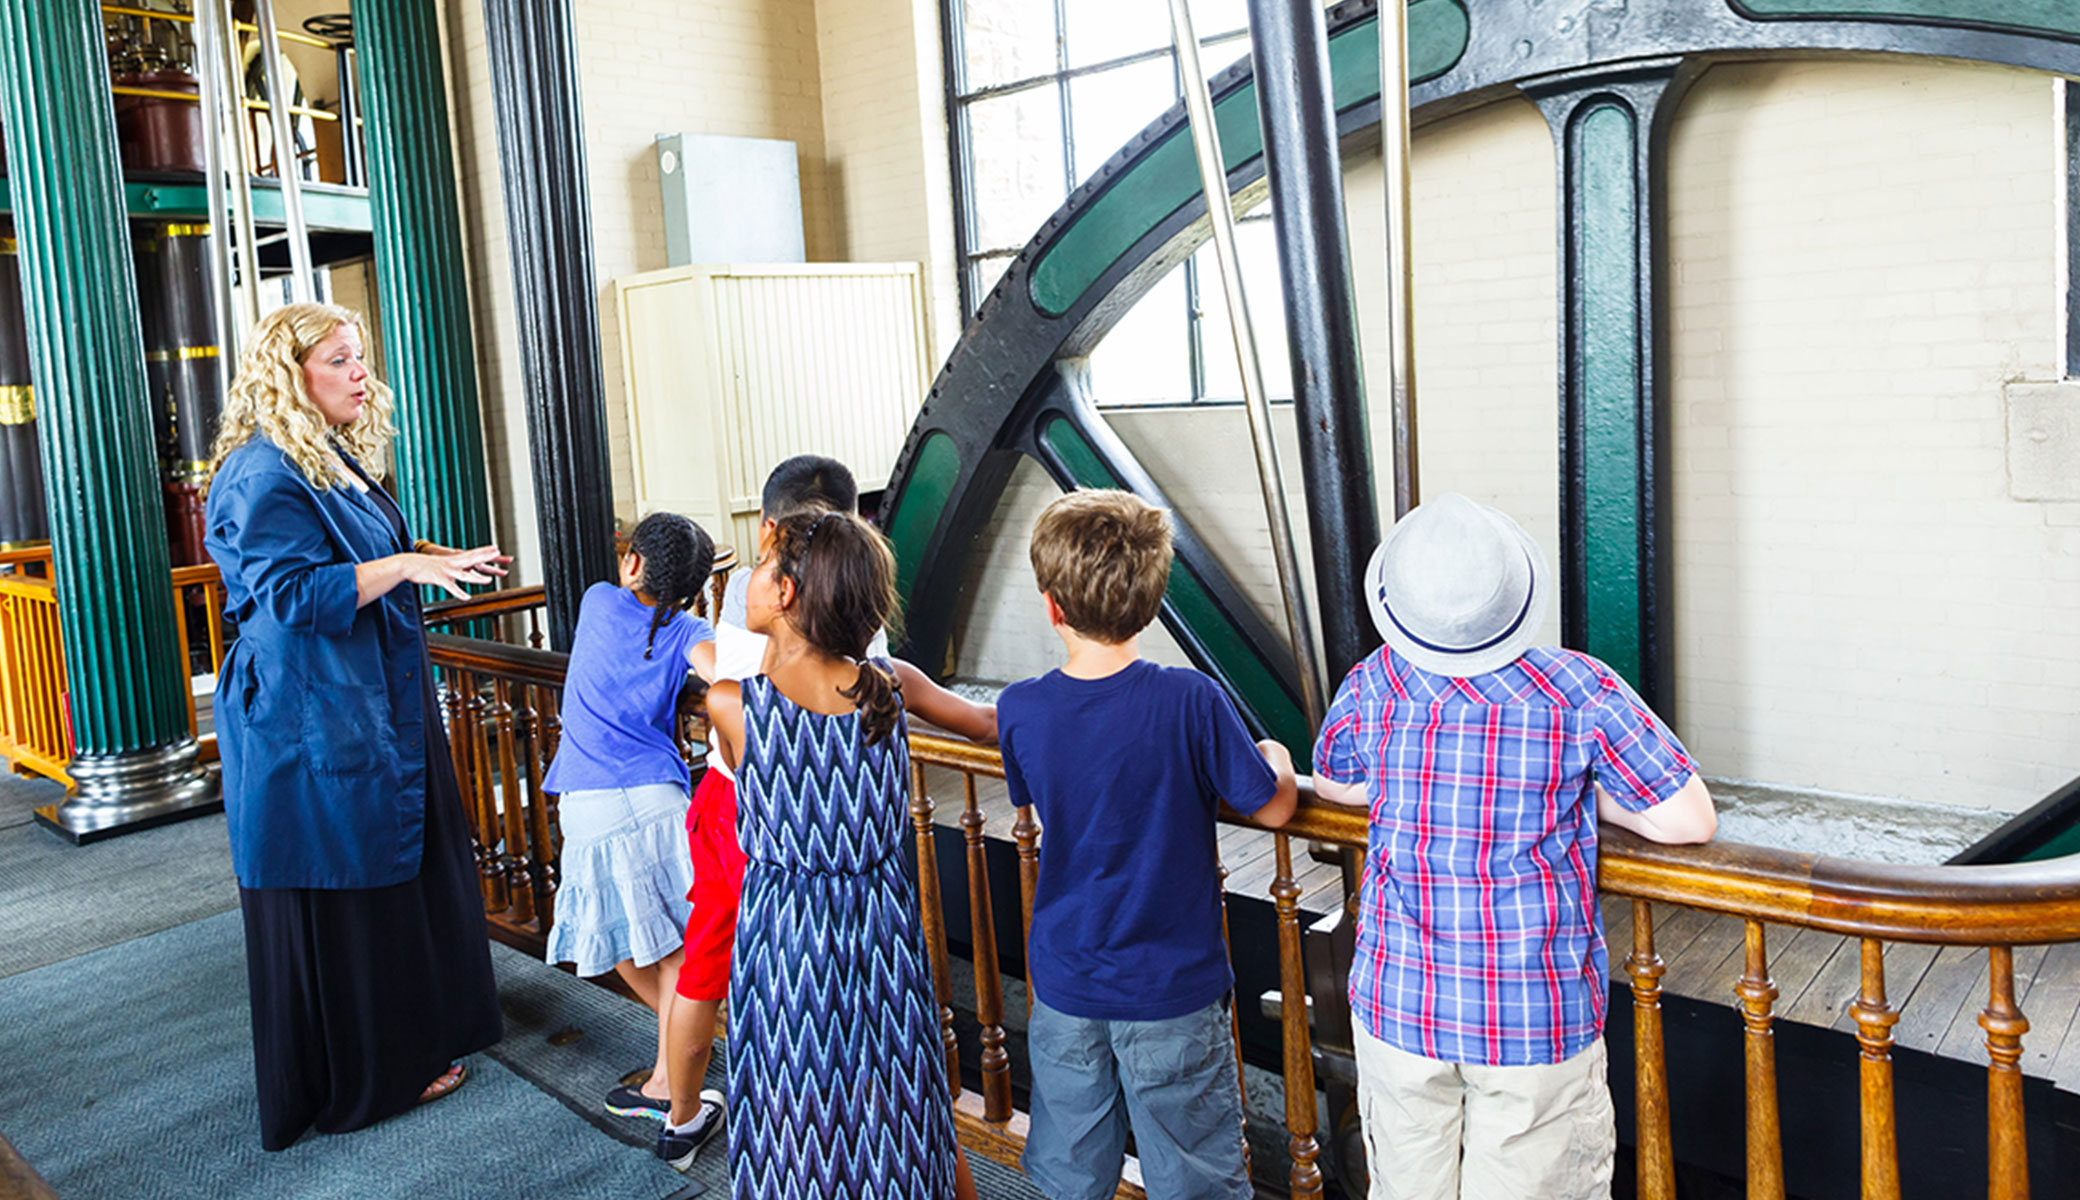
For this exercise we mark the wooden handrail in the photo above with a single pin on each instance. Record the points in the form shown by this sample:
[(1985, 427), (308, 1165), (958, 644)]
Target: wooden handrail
[(2016, 904), (545, 668), (486, 604)]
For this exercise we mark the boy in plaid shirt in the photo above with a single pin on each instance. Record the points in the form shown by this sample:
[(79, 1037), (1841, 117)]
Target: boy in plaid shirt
[(1479, 982)]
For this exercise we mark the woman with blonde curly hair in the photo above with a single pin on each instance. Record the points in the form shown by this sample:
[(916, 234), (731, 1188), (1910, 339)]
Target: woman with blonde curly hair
[(366, 956)]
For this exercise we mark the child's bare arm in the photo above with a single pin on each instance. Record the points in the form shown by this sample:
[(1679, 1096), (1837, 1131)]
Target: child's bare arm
[(1683, 819), (726, 721), (1352, 794), (1286, 801), (951, 712), (701, 657)]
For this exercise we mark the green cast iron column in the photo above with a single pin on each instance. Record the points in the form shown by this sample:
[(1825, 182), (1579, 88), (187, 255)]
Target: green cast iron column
[(1610, 131), (133, 759), (430, 357)]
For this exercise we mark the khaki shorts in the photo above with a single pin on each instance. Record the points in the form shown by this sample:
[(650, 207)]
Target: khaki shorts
[(1440, 1131)]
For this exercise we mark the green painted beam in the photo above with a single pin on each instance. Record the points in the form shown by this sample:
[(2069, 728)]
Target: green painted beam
[(326, 210), (123, 664), (1611, 392), (2021, 16), (428, 348)]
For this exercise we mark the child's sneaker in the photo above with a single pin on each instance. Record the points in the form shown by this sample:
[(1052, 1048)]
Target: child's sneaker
[(628, 1100), (679, 1148)]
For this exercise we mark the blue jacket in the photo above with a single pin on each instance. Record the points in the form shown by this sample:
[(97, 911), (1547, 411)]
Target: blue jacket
[(321, 709)]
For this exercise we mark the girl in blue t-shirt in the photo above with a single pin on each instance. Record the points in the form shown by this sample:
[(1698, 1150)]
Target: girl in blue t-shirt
[(621, 903)]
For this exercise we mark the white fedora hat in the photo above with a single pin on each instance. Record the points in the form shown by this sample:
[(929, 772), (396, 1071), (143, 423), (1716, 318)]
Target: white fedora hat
[(1457, 588)]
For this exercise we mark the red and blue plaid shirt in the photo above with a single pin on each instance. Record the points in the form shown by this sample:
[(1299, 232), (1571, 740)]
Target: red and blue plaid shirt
[(1479, 939)]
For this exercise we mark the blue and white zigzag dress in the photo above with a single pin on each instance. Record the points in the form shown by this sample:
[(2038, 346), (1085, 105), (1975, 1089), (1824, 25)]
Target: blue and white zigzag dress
[(837, 1082)]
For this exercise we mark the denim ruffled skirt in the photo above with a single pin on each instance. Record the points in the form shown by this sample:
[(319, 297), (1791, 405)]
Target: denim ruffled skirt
[(625, 874)]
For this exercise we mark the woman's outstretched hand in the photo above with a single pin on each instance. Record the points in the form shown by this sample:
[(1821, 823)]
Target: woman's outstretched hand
[(437, 566), (457, 567)]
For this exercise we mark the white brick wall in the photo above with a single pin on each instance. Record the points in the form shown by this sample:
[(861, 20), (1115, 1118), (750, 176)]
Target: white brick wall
[(1864, 253), (747, 68), (884, 128)]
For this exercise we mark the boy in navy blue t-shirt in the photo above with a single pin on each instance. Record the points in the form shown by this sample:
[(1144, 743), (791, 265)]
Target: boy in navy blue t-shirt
[(1125, 762)]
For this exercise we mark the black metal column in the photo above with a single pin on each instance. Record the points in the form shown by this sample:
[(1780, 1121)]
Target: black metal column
[(541, 157), (1290, 49)]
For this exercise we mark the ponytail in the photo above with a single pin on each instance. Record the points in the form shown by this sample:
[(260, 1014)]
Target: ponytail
[(880, 700)]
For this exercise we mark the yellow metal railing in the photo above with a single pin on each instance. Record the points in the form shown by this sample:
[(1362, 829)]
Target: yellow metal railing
[(35, 734)]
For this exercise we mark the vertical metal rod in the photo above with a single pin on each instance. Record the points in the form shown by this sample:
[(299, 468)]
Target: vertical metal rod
[(225, 55), (1401, 319), (1213, 177), (210, 84), (286, 171)]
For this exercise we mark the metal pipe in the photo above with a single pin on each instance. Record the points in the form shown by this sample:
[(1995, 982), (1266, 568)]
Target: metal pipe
[(225, 56), (210, 92), (1213, 177), (1401, 320), (286, 172), (1304, 168)]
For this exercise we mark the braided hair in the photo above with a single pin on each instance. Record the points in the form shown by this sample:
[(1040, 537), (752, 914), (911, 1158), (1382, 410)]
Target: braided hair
[(677, 557), (844, 578)]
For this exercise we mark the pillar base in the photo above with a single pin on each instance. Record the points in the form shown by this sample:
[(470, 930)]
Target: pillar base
[(126, 793)]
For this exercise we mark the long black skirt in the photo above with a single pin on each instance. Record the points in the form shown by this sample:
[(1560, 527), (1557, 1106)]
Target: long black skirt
[(361, 997)]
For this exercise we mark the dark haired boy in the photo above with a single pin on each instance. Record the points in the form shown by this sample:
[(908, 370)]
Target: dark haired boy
[(1126, 762)]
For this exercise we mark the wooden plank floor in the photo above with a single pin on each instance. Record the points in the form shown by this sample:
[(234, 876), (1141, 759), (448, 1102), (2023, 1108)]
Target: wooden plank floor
[(1938, 991)]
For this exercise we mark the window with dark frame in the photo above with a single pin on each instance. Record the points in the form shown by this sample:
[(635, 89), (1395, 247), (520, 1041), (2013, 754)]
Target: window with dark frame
[(1039, 93)]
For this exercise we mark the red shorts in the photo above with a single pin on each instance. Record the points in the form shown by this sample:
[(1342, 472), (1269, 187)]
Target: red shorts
[(718, 884)]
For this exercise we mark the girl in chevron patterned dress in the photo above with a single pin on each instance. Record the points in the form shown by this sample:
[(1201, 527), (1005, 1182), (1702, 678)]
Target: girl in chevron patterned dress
[(837, 1080)]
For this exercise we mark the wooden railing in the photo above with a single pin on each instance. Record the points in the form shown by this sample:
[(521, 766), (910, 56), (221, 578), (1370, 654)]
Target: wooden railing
[(502, 723), (503, 727), (1996, 907)]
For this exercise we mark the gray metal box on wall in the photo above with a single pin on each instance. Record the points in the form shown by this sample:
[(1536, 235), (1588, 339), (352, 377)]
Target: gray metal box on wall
[(729, 199)]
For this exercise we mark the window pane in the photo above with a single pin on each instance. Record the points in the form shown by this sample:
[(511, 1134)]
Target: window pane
[(1099, 30), (1210, 17), (1257, 247), (1112, 106), (1017, 180), (1006, 40), (1145, 359), (1218, 56)]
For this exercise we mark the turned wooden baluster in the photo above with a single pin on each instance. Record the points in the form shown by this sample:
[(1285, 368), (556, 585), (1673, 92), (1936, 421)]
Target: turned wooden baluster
[(2007, 1154), (989, 985), (479, 788), (528, 720), (1758, 996), (1656, 1156), (933, 908), (455, 687), (534, 628), (1874, 1021), (552, 735), (513, 807), (1027, 833), (1305, 1181)]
